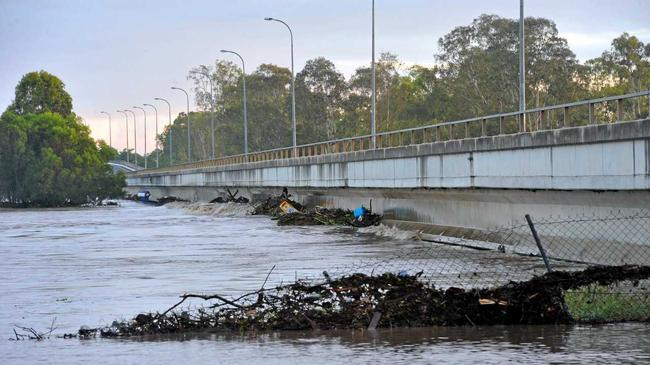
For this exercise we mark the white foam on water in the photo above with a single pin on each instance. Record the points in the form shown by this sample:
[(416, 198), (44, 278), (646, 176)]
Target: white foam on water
[(214, 209), (392, 232)]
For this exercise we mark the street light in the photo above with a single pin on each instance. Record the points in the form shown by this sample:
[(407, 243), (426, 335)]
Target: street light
[(189, 142), (169, 107), (211, 106), (110, 135), (156, 140), (373, 112), (145, 134), (127, 132), (293, 82), (135, 138), (243, 67), (522, 67)]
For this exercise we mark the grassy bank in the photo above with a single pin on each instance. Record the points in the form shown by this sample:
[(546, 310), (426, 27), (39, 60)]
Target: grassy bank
[(597, 303)]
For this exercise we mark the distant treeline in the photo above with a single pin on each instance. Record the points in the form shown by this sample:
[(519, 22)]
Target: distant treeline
[(476, 73)]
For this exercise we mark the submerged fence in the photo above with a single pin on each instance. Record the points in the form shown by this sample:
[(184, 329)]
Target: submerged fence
[(497, 257)]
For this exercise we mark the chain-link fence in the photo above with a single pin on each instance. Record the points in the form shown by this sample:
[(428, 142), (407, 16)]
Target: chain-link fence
[(597, 269), (488, 259)]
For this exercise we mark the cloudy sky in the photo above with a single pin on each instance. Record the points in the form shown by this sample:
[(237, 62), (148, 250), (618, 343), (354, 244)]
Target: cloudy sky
[(115, 54)]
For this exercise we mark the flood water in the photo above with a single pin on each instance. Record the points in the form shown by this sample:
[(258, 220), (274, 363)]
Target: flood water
[(92, 266)]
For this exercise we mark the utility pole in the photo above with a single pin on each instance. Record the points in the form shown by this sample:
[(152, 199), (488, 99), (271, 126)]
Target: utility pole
[(373, 111), (126, 116), (145, 134), (156, 140), (293, 85), (135, 137), (243, 67), (169, 108), (110, 133), (189, 140), (522, 67), (207, 74)]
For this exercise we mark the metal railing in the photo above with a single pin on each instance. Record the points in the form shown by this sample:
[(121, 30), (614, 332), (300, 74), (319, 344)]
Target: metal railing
[(598, 111)]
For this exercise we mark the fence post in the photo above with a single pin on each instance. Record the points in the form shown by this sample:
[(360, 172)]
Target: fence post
[(565, 117), (619, 110), (592, 111), (538, 242), (467, 130), (483, 127)]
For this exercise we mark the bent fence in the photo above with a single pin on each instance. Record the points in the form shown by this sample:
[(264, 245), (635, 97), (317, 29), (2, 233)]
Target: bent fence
[(497, 257), (601, 272)]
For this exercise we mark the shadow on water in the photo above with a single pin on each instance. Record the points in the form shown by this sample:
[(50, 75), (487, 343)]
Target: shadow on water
[(554, 338)]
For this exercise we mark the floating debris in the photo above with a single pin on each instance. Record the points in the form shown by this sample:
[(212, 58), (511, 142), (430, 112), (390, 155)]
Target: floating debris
[(384, 301), (169, 199), (324, 216), (289, 212)]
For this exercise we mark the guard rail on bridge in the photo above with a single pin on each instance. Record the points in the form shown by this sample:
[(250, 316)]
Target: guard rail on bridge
[(602, 110), (123, 165)]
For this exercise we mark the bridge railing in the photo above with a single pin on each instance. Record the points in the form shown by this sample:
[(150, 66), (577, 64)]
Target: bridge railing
[(610, 109)]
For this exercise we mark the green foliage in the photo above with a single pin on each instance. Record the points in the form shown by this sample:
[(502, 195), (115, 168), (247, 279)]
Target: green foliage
[(40, 92), (476, 73), (597, 303), (49, 159)]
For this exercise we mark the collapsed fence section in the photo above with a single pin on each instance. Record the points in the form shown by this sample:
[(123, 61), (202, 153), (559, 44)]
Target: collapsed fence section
[(496, 257)]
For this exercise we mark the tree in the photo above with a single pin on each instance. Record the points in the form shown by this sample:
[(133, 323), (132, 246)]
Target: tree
[(320, 90), (40, 92), (623, 69), (269, 116), (481, 66), (49, 159)]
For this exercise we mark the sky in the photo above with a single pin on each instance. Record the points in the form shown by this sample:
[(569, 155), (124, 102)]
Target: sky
[(120, 53)]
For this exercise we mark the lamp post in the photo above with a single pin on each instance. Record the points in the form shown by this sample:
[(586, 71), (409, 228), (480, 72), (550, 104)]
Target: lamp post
[(243, 67), (126, 116), (145, 134), (110, 134), (135, 138), (373, 111), (169, 107), (522, 67), (211, 107), (293, 84), (156, 140), (189, 142)]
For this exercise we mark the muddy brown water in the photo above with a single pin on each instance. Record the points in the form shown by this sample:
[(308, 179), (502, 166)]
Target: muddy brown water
[(91, 266)]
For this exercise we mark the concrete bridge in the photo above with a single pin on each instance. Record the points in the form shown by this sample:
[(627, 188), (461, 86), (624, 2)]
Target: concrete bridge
[(119, 165), (464, 175)]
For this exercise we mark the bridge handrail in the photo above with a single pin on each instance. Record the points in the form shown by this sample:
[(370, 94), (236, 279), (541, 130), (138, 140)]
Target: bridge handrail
[(357, 143)]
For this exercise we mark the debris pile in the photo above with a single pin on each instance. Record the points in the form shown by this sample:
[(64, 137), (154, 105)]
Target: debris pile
[(323, 216), (271, 206), (288, 212), (387, 300), (231, 198), (169, 199)]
